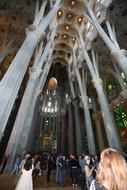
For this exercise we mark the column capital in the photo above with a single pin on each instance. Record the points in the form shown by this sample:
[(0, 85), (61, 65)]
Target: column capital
[(118, 54), (35, 72), (35, 29), (97, 82), (30, 28), (84, 99)]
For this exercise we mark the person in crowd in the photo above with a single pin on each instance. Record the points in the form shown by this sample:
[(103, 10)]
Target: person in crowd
[(96, 161), (74, 169), (62, 170), (23, 161), (88, 172), (36, 170), (35, 159), (82, 163), (49, 166), (4, 162), (57, 168), (43, 163), (25, 181), (16, 165), (112, 171)]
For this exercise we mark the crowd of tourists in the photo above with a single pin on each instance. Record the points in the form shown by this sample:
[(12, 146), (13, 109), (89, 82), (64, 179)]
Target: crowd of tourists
[(109, 172)]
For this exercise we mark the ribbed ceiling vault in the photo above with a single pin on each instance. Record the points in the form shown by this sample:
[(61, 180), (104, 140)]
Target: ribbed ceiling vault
[(16, 16), (68, 17)]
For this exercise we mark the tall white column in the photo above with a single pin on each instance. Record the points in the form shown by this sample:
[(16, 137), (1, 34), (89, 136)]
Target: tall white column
[(22, 126), (97, 119), (100, 138), (77, 119), (12, 80), (70, 127), (89, 130), (110, 129), (28, 122), (62, 135)]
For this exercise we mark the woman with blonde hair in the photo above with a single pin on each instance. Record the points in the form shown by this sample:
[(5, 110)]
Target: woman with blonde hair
[(112, 172)]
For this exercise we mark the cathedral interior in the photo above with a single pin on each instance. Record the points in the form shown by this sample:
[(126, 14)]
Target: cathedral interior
[(63, 72)]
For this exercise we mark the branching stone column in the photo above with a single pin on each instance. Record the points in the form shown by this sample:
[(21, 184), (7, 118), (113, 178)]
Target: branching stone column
[(58, 135), (21, 117), (77, 119), (58, 127), (22, 125), (110, 129), (40, 85), (28, 122), (96, 118), (84, 98), (12, 80), (112, 135), (120, 55), (71, 127), (63, 132), (34, 131)]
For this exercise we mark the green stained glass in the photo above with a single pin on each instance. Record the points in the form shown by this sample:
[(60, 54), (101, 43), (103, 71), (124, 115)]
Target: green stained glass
[(121, 117), (110, 87), (112, 90)]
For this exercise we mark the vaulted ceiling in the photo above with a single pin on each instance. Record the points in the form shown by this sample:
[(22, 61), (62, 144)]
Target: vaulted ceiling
[(17, 15)]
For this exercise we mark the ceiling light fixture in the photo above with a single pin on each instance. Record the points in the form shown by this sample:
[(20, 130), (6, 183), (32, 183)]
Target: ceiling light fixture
[(64, 36), (59, 13), (69, 16), (73, 39), (67, 27), (73, 3), (80, 20)]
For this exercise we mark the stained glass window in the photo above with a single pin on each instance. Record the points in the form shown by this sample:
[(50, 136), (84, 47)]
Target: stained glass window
[(121, 117), (112, 91)]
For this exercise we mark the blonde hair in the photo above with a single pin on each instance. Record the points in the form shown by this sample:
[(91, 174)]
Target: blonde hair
[(112, 170)]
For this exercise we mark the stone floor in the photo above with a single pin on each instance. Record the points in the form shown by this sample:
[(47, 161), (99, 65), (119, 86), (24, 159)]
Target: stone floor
[(8, 182)]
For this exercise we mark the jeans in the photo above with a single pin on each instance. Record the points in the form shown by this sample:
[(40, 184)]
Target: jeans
[(74, 175), (61, 176)]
